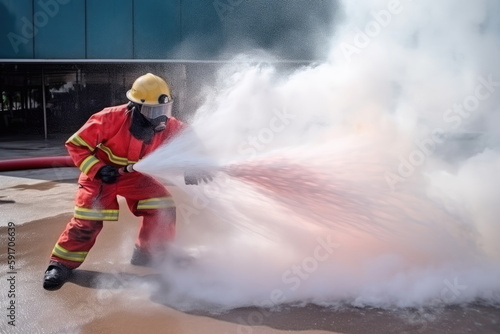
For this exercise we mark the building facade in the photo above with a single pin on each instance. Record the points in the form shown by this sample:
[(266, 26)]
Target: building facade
[(62, 60)]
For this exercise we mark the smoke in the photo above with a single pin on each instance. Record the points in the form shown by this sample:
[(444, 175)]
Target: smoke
[(368, 180), (288, 30)]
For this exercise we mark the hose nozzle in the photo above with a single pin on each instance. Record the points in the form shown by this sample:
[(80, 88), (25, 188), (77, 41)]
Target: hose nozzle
[(126, 170)]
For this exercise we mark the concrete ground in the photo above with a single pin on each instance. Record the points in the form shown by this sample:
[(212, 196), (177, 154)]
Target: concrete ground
[(27, 195), (108, 295)]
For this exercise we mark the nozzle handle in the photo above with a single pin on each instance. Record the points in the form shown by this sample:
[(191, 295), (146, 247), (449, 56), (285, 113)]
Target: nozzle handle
[(127, 169)]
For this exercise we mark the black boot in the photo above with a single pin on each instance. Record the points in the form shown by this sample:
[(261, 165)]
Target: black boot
[(56, 275), (141, 258), (177, 257)]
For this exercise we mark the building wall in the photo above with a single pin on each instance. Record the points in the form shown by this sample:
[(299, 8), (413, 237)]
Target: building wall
[(163, 29), (97, 48)]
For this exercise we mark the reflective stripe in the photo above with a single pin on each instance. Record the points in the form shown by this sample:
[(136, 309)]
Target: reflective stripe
[(63, 253), (95, 214), (114, 158), (87, 164), (78, 141), (156, 203)]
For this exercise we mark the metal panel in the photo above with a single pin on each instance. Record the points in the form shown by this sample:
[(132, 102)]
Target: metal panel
[(109, 29), (16, 29), (156, 28), (299, 30), (202, 34), (163, 29), (61, 32)]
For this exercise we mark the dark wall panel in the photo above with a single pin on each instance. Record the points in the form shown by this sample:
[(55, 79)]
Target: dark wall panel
[(109, 29), (16, 29), (61, 32), (164, 29), (156, 28), (299, 29), (202, 32)]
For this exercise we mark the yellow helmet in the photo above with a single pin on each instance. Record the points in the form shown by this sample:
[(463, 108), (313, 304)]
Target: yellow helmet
[(150, 90)]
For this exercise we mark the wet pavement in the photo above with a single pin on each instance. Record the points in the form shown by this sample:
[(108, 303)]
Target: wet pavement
[(19, 147), (26, 195), (108, 295)]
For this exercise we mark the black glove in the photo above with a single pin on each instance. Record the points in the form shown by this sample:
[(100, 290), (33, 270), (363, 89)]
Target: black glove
[(108, 174), (193, 177)]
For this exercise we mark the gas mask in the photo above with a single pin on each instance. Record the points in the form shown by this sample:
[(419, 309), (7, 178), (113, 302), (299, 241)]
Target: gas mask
[(143, 126), (151, 102), (157, 114)]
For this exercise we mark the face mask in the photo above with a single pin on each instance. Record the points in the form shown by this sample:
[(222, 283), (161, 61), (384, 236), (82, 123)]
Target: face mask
[(152, 112), (144, 128), (159, 123)]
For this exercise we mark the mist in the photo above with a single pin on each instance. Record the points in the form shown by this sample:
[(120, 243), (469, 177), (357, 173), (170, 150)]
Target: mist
[(367, 180)]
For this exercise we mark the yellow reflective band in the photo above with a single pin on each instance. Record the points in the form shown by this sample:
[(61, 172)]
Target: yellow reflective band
[(78, 141), (156, 203), (114, 158), (87, 164), (95, 214), (68, 255)]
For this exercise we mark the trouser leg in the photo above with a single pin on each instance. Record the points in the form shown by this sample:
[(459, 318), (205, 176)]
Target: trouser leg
[(75, 242), (94, 203), (157, 230), (150, 200)]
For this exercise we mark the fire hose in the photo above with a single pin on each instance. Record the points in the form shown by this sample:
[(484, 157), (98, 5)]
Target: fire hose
[(50, 162), (47, 162), (36, 163)]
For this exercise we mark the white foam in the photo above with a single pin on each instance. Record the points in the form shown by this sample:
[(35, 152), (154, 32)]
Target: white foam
[(354, 181)]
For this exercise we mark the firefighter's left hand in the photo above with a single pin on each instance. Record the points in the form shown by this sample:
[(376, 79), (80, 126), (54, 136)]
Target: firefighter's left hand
[(194, 177), (108, 174)]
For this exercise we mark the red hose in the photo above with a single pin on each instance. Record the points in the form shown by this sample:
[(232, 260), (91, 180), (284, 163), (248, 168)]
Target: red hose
[(36, 163)]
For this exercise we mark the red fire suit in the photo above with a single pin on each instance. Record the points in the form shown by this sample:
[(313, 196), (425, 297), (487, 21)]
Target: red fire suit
[(105, 139)]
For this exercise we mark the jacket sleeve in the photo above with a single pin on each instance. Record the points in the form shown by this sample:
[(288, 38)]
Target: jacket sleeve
[(176, 127), (82, 145)]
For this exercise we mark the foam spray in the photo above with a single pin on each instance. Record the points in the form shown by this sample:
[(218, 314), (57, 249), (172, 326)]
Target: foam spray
[(370, 179)]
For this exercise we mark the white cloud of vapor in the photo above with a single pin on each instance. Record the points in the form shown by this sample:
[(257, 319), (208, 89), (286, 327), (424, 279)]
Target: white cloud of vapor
[(370, 179)]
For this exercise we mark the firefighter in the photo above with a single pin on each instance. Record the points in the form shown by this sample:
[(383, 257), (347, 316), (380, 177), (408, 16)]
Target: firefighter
[(105, 149)]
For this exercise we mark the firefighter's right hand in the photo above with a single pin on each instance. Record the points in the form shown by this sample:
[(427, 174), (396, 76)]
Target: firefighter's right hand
[(108, 174), (197, 176)]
